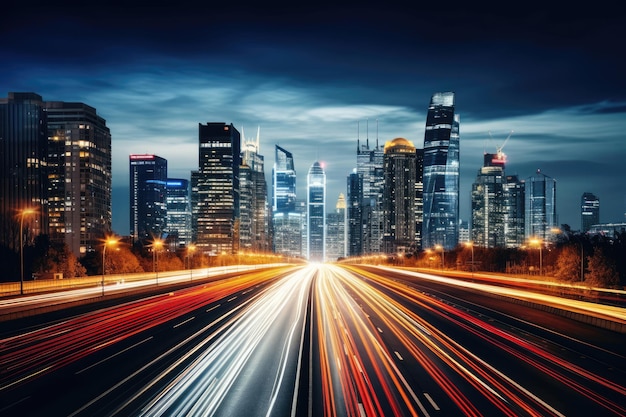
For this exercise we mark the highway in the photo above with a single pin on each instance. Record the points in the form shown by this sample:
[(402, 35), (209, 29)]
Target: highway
[(314, 340)]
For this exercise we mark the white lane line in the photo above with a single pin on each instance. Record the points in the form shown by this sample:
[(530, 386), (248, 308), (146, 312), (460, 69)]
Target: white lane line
[(183, 322), (213, 308), (398, 355), (112, 356), (231, 299), (379, 330), (431, 401)]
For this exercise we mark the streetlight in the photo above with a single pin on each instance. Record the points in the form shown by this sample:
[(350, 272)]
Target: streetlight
[(107, 241), (443, 259), (471, 245), (23, 213), (156, 245), (190, 249), (538, 242)]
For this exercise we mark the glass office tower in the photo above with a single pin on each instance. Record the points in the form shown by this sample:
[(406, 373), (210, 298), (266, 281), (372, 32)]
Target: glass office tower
[(284, 182), (23, 168), (354, 217), (215, 189), (399, 211), (178, 212), (286, 221), (370, 167), (254, 233), (336, 231), (540, 206), (590, 211), (148, 196), (316, 213), (441, 173)]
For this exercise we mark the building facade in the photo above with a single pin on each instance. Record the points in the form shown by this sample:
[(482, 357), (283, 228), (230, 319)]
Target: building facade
[(254, 228), (540, 206), (514, 212), (178, 207), (287, 222), (148, 193), (215, 189), (589, 211), (316, 213), (23, 169), (336, 231), (400, 174), (370, 167), (441, 173), (497, 205), (79, 166), (488, 203), (354, 222)]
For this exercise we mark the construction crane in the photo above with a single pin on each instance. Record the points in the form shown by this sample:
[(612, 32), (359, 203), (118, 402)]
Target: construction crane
[(501, 156)]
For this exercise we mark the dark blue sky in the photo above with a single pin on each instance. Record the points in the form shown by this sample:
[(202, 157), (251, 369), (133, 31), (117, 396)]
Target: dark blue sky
[(314, 77)]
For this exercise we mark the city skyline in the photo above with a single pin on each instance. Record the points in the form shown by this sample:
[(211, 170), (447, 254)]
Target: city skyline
[(316, 80)]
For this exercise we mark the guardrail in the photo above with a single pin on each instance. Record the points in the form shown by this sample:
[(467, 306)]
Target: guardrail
[(8, 289)]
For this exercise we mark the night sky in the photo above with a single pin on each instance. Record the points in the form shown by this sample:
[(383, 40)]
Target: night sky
[(315, 77)]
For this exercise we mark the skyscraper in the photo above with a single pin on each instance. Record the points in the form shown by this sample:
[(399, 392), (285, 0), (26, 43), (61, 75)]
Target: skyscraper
[(589, 211), (336, 231), (419, 196), (178, 212), (370, 167), (400, 173), (354, 218), (287, 223), (254, 209), (540, 205), (488, 200), (23, 168), (497, 205), (148, 193), (284, 182), (316, 213), (514, 211), (441, 173), (215, 189), (79, 165)]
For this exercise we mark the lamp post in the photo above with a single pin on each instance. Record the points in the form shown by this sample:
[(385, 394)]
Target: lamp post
[(108, 241), (22, 214), (156, 244), (443, 259), (471, 245), (539, 242)]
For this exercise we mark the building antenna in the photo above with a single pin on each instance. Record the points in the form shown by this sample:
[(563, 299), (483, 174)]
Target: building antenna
[(367, 134), (376, 133), (258, 138)]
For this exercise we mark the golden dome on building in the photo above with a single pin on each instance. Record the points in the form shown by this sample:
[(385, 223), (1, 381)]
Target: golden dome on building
[(400, 144)]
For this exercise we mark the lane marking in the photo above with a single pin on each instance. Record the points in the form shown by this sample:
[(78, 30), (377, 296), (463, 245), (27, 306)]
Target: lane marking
[(431, 401), (398, 355), (231, 299), (183, 322), (213, 308)]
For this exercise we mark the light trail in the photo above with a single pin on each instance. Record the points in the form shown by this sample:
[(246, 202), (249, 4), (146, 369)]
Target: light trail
[(468, 363), (26, 356), (377, 345), (206, 382)]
